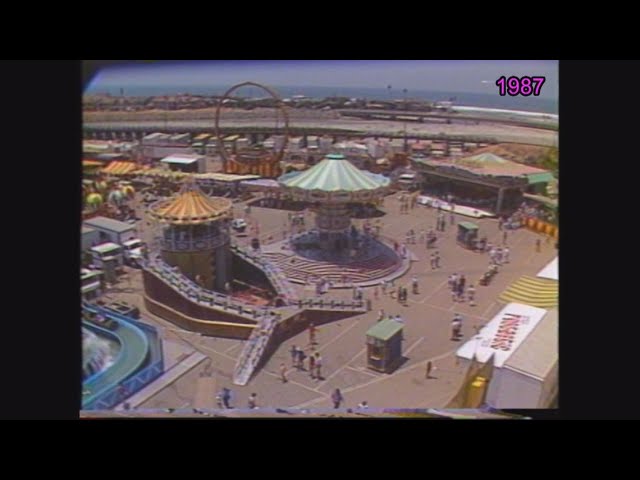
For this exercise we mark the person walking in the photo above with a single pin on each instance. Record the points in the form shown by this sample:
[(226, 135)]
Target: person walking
[(318, 366), (414, 284), (312, 366), (294, 356), (283, 373), (437, 259), (461, 284), (312, 334), (456, 327), (384, 287), (432, 261), (504, 237), (226, 397), (300, 358), (538, 245), (429, 368), (252, 401), (336, 398), (454, 293), (471, 294), (392, 293), (505, 255), (375, 292)]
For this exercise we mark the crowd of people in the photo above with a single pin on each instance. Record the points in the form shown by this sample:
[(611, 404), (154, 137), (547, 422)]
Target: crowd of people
[(525, 211)]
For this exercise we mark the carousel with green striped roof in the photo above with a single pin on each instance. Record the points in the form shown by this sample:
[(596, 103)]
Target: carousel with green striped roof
[(332, 187)]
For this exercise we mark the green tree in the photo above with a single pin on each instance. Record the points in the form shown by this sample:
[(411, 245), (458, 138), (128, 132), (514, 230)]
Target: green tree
[(550, 161)]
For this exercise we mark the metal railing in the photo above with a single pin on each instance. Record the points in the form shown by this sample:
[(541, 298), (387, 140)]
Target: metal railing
[(253, 350), (195, 293), (201, 243), (319, 303), (275, 275)]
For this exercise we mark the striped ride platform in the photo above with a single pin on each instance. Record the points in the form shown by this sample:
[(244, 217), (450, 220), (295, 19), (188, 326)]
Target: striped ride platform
[(537, 292)]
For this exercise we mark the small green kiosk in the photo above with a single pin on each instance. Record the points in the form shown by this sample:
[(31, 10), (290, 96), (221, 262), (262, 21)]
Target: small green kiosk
[(467, 235), (384, 345)]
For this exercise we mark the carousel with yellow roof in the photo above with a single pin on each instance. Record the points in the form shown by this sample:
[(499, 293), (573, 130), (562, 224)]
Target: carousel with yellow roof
[(195, 236)]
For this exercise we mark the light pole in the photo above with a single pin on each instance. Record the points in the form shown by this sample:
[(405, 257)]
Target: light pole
[(166, 115), (404, 90)]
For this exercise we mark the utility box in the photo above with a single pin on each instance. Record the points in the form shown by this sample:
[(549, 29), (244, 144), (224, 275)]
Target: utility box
[(384, 345)]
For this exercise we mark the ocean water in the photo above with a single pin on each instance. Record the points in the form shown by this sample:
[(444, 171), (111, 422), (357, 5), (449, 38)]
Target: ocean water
[(485, 100)]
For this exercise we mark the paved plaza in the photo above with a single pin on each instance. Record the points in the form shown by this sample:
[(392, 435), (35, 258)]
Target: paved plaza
[(427, 317)]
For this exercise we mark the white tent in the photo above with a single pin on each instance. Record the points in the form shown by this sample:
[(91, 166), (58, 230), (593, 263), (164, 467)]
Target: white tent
[(503, 334), (550, 271)]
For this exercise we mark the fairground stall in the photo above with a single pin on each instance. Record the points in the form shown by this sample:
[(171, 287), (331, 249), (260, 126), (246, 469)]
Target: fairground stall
[(517, 353)]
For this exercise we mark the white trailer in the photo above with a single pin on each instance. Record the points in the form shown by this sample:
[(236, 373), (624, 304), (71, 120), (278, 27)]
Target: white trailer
[(90, 237), (110, 230)]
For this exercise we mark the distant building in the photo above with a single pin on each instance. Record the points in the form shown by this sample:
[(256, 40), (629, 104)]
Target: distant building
[(186, 163), (312, 141), (296, 144), (355, 152), (275, 142), (242, 143), (160, 145), (211, 148), (97, 149), (444, 106), (396, 146), (486, 181), (324, 144)]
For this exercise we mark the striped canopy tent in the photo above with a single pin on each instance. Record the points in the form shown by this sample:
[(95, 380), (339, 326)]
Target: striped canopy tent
[(94, 200), (91, 167), (334, 180), (120, 168), (116, 197), (191, 207)]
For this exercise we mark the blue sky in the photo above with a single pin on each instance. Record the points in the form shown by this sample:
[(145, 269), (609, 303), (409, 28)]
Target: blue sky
[(437, 75)]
